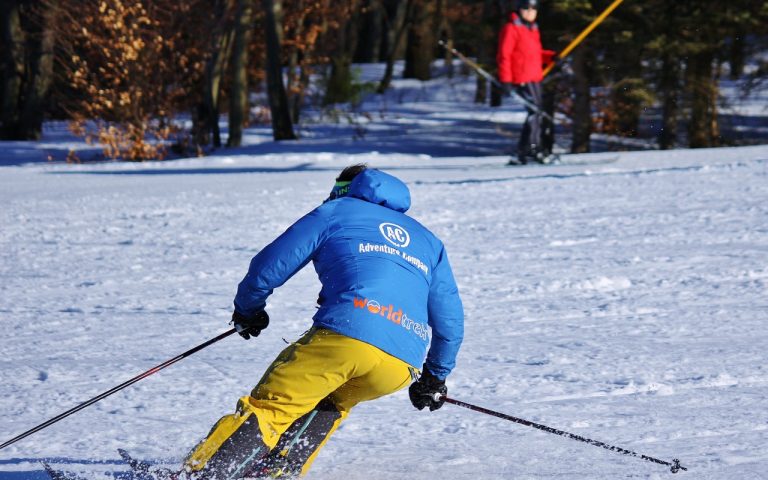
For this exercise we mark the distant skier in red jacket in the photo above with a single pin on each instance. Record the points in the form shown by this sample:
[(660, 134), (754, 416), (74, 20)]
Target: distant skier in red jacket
[(520, 61)]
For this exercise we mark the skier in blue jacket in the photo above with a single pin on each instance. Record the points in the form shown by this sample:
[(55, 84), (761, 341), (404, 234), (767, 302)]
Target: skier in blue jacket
[(388, 300)]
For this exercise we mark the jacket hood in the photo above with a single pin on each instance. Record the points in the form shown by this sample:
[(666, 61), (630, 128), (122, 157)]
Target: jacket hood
[(377, 187)]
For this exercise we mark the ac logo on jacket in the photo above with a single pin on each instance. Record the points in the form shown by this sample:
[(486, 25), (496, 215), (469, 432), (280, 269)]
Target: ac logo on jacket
[(395, 234)]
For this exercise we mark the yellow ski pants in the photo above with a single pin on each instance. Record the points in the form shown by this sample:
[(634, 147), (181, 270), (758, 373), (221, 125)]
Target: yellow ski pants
[(322, 365)]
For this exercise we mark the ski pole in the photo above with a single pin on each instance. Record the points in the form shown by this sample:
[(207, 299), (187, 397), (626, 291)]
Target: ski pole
[(567, 50), (674, 464), (109, 392), (480, 70)]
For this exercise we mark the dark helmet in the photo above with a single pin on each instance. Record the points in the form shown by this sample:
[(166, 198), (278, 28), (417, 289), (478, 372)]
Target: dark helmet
[(341, 187), (521, 4)]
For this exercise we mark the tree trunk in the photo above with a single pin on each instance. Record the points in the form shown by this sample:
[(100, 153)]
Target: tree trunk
[(339, 88), (486, 55), (206, 119), (669, 84), (12, 41), (481, 90), (295, 92), (282, 127), (582, 115), (238, 97), (703, 91), (420, 50), (298, 97), (714, 93), (39, 71), (738, 55), (443, 33), (371, 33), (340, 80), (398, 24), (448, 54), (393, 12)]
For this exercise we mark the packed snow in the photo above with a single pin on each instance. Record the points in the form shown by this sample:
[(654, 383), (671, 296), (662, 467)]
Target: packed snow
[(622, 297)]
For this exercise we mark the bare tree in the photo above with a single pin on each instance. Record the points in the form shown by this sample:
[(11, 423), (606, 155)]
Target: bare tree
[(39, 71), (493, 18), (371, 32), (282, 126), (339, 88), (222, 36), (238, 97), (703, 130), (26, 41), (12, 67), (397, 15), (421, 40), (582, 115), (669, 87), (298, 79)]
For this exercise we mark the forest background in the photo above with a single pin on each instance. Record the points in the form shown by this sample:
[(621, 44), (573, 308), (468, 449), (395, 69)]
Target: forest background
[(150, 79)]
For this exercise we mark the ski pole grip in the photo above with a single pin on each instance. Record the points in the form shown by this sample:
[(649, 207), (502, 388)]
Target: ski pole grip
[(676, 467)]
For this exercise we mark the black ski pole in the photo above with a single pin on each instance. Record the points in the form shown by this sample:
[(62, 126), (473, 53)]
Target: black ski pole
[(482, 72), (109, 392), (674, 464)]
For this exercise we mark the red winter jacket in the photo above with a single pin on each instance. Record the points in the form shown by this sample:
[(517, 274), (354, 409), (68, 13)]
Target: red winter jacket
[(520, 57)]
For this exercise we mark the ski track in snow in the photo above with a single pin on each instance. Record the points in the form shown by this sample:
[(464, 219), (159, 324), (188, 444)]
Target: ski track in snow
[(624, 302)]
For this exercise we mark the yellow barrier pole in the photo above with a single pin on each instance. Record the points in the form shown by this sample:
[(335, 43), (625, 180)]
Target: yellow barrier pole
[(583, 34)]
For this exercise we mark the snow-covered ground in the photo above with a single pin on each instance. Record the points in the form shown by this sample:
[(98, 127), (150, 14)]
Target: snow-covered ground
[(624, 301)]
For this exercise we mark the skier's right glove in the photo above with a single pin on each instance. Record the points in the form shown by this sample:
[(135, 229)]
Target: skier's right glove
[(250, 326), (428, 391)]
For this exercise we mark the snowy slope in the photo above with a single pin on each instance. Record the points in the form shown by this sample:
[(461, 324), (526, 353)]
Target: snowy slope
[(625, 302)]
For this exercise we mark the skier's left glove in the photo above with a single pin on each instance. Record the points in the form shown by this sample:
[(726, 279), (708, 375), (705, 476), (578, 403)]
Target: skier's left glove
[(250, 326), (428, 391)]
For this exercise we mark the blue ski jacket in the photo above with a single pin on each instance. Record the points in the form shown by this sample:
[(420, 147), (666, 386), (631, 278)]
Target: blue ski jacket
[(386, 279)]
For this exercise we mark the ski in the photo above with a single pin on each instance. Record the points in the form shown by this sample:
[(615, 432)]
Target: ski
[(60, 474), (601, 160), (143, 470), (564, 161)]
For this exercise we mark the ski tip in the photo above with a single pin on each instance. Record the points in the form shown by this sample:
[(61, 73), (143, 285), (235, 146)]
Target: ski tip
[(127, 458), (57, 474), (49, 469)]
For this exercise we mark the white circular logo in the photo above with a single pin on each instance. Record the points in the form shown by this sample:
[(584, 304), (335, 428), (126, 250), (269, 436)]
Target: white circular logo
[(395, 234)]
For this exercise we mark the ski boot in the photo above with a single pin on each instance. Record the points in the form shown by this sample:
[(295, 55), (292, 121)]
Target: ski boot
[(522, 158), (545, 158)]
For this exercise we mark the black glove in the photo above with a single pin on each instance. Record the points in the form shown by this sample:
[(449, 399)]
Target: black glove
[(428, 391), (554, 63), (251, 326)]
